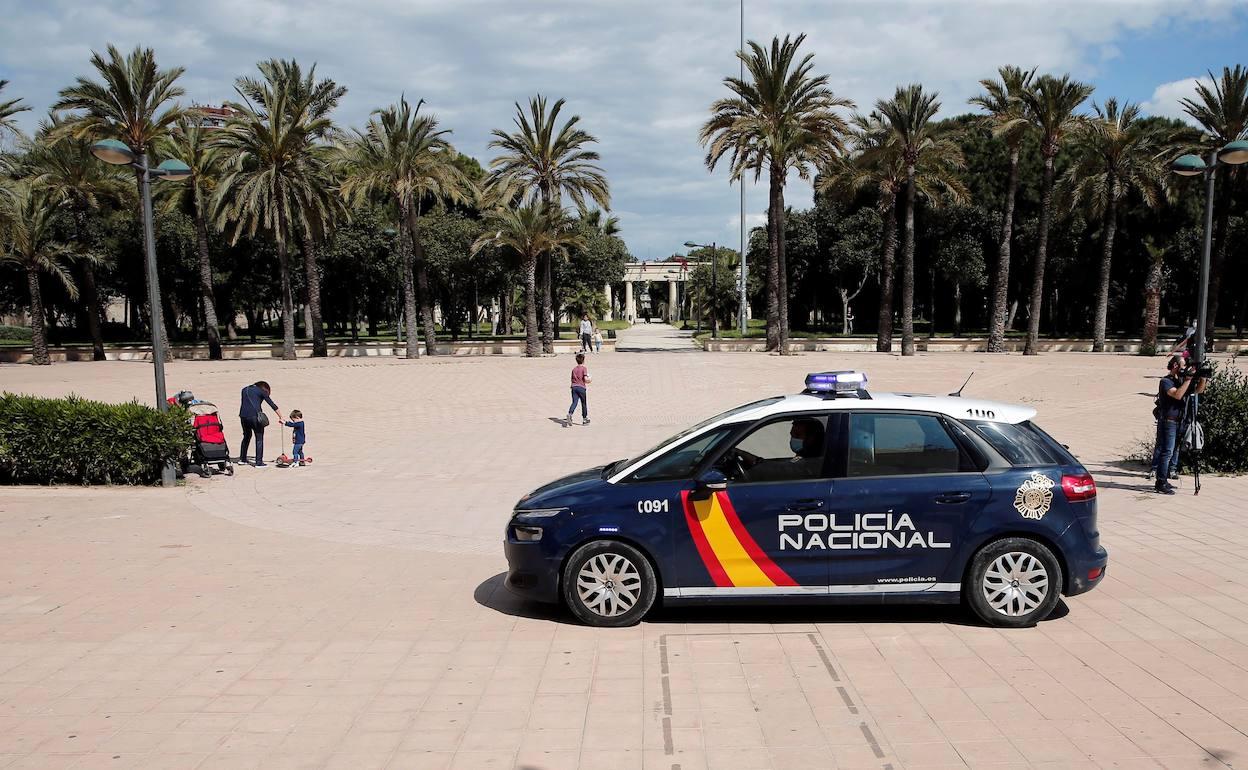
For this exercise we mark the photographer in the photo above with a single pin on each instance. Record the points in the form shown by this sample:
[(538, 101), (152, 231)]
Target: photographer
[(1171, 391)]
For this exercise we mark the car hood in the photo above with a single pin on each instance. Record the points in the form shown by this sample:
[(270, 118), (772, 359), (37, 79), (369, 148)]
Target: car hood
[(555, 493)]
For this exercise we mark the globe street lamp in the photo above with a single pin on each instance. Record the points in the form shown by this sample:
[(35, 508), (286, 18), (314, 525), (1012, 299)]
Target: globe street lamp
[(1234, 153), (714, 283), (119, 154)]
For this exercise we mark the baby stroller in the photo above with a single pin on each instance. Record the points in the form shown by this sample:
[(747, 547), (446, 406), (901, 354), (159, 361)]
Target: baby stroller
[(210, 450)]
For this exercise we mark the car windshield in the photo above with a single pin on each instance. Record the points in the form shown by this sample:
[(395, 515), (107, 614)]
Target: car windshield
[(669, 441)]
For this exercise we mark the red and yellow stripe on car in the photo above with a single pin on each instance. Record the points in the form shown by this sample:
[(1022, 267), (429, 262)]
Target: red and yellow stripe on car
[(728, 551)]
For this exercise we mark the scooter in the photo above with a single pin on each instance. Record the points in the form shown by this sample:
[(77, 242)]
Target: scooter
[(284, 460)]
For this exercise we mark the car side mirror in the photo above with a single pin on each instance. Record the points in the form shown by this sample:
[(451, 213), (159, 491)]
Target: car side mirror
[(713, 480)]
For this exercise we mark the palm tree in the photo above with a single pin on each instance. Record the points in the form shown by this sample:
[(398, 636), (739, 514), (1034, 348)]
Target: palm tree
[(7, 110), (907, 117), (783, 119), (191, 142), (531, 230), (601, 221), (27, 214), (273, 167), (1050, 106), (134, 101), (1152, 295), (1221, 108), (403, 156), (65, 168), (1118, 155), (1003, 101), (873, 165), (542, 160)]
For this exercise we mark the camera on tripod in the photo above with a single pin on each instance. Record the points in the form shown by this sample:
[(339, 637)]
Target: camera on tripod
[(1202, 369)]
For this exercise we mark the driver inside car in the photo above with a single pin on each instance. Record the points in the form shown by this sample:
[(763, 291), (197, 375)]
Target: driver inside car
[(805, 442)]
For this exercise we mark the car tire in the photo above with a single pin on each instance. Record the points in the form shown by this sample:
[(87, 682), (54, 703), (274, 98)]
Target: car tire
[(608, 584), (1014, 582)]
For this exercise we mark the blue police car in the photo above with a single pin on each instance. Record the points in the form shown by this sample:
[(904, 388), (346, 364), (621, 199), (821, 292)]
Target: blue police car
[(835, 494)]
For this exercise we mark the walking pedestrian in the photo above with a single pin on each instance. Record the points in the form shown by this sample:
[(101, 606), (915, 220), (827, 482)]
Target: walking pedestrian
[(251, 415), (597, 340), (587, 332), (580, 381)]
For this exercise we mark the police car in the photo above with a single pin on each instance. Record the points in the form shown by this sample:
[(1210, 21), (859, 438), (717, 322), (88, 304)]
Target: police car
[(835, 494)]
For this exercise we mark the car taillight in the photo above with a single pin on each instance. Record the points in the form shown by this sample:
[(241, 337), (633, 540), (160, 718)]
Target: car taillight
[(1077, 488)]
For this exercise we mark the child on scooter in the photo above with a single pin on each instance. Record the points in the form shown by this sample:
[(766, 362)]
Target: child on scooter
[(299, 438)]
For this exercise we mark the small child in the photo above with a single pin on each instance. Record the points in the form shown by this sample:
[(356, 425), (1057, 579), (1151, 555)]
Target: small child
[(597, 340), (300, 436), (580, 381)]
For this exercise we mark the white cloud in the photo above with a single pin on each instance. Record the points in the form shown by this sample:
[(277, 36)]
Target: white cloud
[(1165, 101), (640, 74)]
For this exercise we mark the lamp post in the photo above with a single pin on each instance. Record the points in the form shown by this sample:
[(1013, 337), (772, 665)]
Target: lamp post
[(714, 283), (119, 154), (1234, 153)]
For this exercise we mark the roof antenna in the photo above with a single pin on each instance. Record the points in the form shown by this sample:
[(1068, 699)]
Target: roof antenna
[(958, 393)]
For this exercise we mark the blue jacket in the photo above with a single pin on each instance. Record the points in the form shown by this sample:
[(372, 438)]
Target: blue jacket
[(249, 409), (301, 435)]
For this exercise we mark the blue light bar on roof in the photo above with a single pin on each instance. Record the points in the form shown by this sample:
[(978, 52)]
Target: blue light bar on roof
[(836, 382)]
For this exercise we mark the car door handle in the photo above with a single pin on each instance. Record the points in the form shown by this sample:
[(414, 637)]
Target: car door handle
[(810, 504), (953, 498)]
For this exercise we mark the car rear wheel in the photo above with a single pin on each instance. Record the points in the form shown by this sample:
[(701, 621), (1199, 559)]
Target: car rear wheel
[(608, 583), (1013, 583)]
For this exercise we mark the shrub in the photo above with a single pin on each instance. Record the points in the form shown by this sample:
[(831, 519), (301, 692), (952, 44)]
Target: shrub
[(20, 333), (74, 440), (1224, 416)]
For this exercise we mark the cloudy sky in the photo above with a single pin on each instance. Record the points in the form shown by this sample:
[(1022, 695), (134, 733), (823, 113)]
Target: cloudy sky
[(640, 73)]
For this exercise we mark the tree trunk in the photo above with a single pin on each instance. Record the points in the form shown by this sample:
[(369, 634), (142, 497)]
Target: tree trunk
[(1001, 284), (1152, 302), (1009, 320), (957, 309), (775, 242), (888, 253), (288, 299), (548, 321), (89, 294), (205, 280), (1042, 245), (782, 271), (1107, 255), (313, 273), (504, 312), (412, 349), (38, 331), (422, 285), (231, 329), (907, 270), (532, 344)]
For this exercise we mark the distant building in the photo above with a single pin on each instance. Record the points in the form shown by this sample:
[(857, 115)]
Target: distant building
[(211, 117)]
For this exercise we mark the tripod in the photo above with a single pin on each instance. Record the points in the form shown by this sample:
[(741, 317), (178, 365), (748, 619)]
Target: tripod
[(1191, 436)]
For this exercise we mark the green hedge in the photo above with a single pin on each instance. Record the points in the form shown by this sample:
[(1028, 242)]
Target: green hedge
[(20, 333), (1224, 416), (76, 441)]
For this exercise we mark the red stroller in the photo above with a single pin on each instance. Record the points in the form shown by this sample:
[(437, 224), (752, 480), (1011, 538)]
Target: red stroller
[(210, 450)]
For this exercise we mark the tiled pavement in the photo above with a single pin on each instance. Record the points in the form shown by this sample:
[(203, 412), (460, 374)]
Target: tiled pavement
[(351, 614)]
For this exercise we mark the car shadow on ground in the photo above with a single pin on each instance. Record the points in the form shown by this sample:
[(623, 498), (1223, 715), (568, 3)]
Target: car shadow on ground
[(492, 593)]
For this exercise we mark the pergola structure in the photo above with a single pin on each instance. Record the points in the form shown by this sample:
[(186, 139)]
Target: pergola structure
[(673, 273)]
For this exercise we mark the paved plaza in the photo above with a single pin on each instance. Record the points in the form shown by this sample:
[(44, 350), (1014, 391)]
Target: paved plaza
[(351, 614)]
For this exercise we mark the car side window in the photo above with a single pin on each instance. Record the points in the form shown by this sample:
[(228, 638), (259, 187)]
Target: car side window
[(680, 462), (900, 444), (789, 449)]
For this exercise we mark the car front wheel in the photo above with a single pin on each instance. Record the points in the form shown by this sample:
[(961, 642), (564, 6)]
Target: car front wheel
[(1013, 583), (608, 583)]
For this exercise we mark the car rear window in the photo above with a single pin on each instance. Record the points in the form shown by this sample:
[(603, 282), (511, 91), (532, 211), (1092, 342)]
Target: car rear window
[(1019, 443)]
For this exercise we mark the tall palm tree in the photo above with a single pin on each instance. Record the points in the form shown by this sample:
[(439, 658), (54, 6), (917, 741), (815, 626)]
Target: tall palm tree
[(273, 167), (874, 164), (1152, 295), (1003, 101), (134, 101), (7, 110), (543, 159), (1118, 155), (1221, 108), (65, 168), (531, 230), (907, 117), (192, 143), (403, 157), (601, 221), (782, 119), (1050, 106), (27, 214)]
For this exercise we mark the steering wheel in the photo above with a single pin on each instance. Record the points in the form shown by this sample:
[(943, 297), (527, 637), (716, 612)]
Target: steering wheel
[(735, 464)]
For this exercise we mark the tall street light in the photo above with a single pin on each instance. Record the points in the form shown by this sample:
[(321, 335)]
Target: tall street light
[(714, 283), (1234, 153), (119, 154)]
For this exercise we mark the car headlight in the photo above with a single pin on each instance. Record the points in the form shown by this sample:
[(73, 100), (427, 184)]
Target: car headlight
[(537, 514)]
